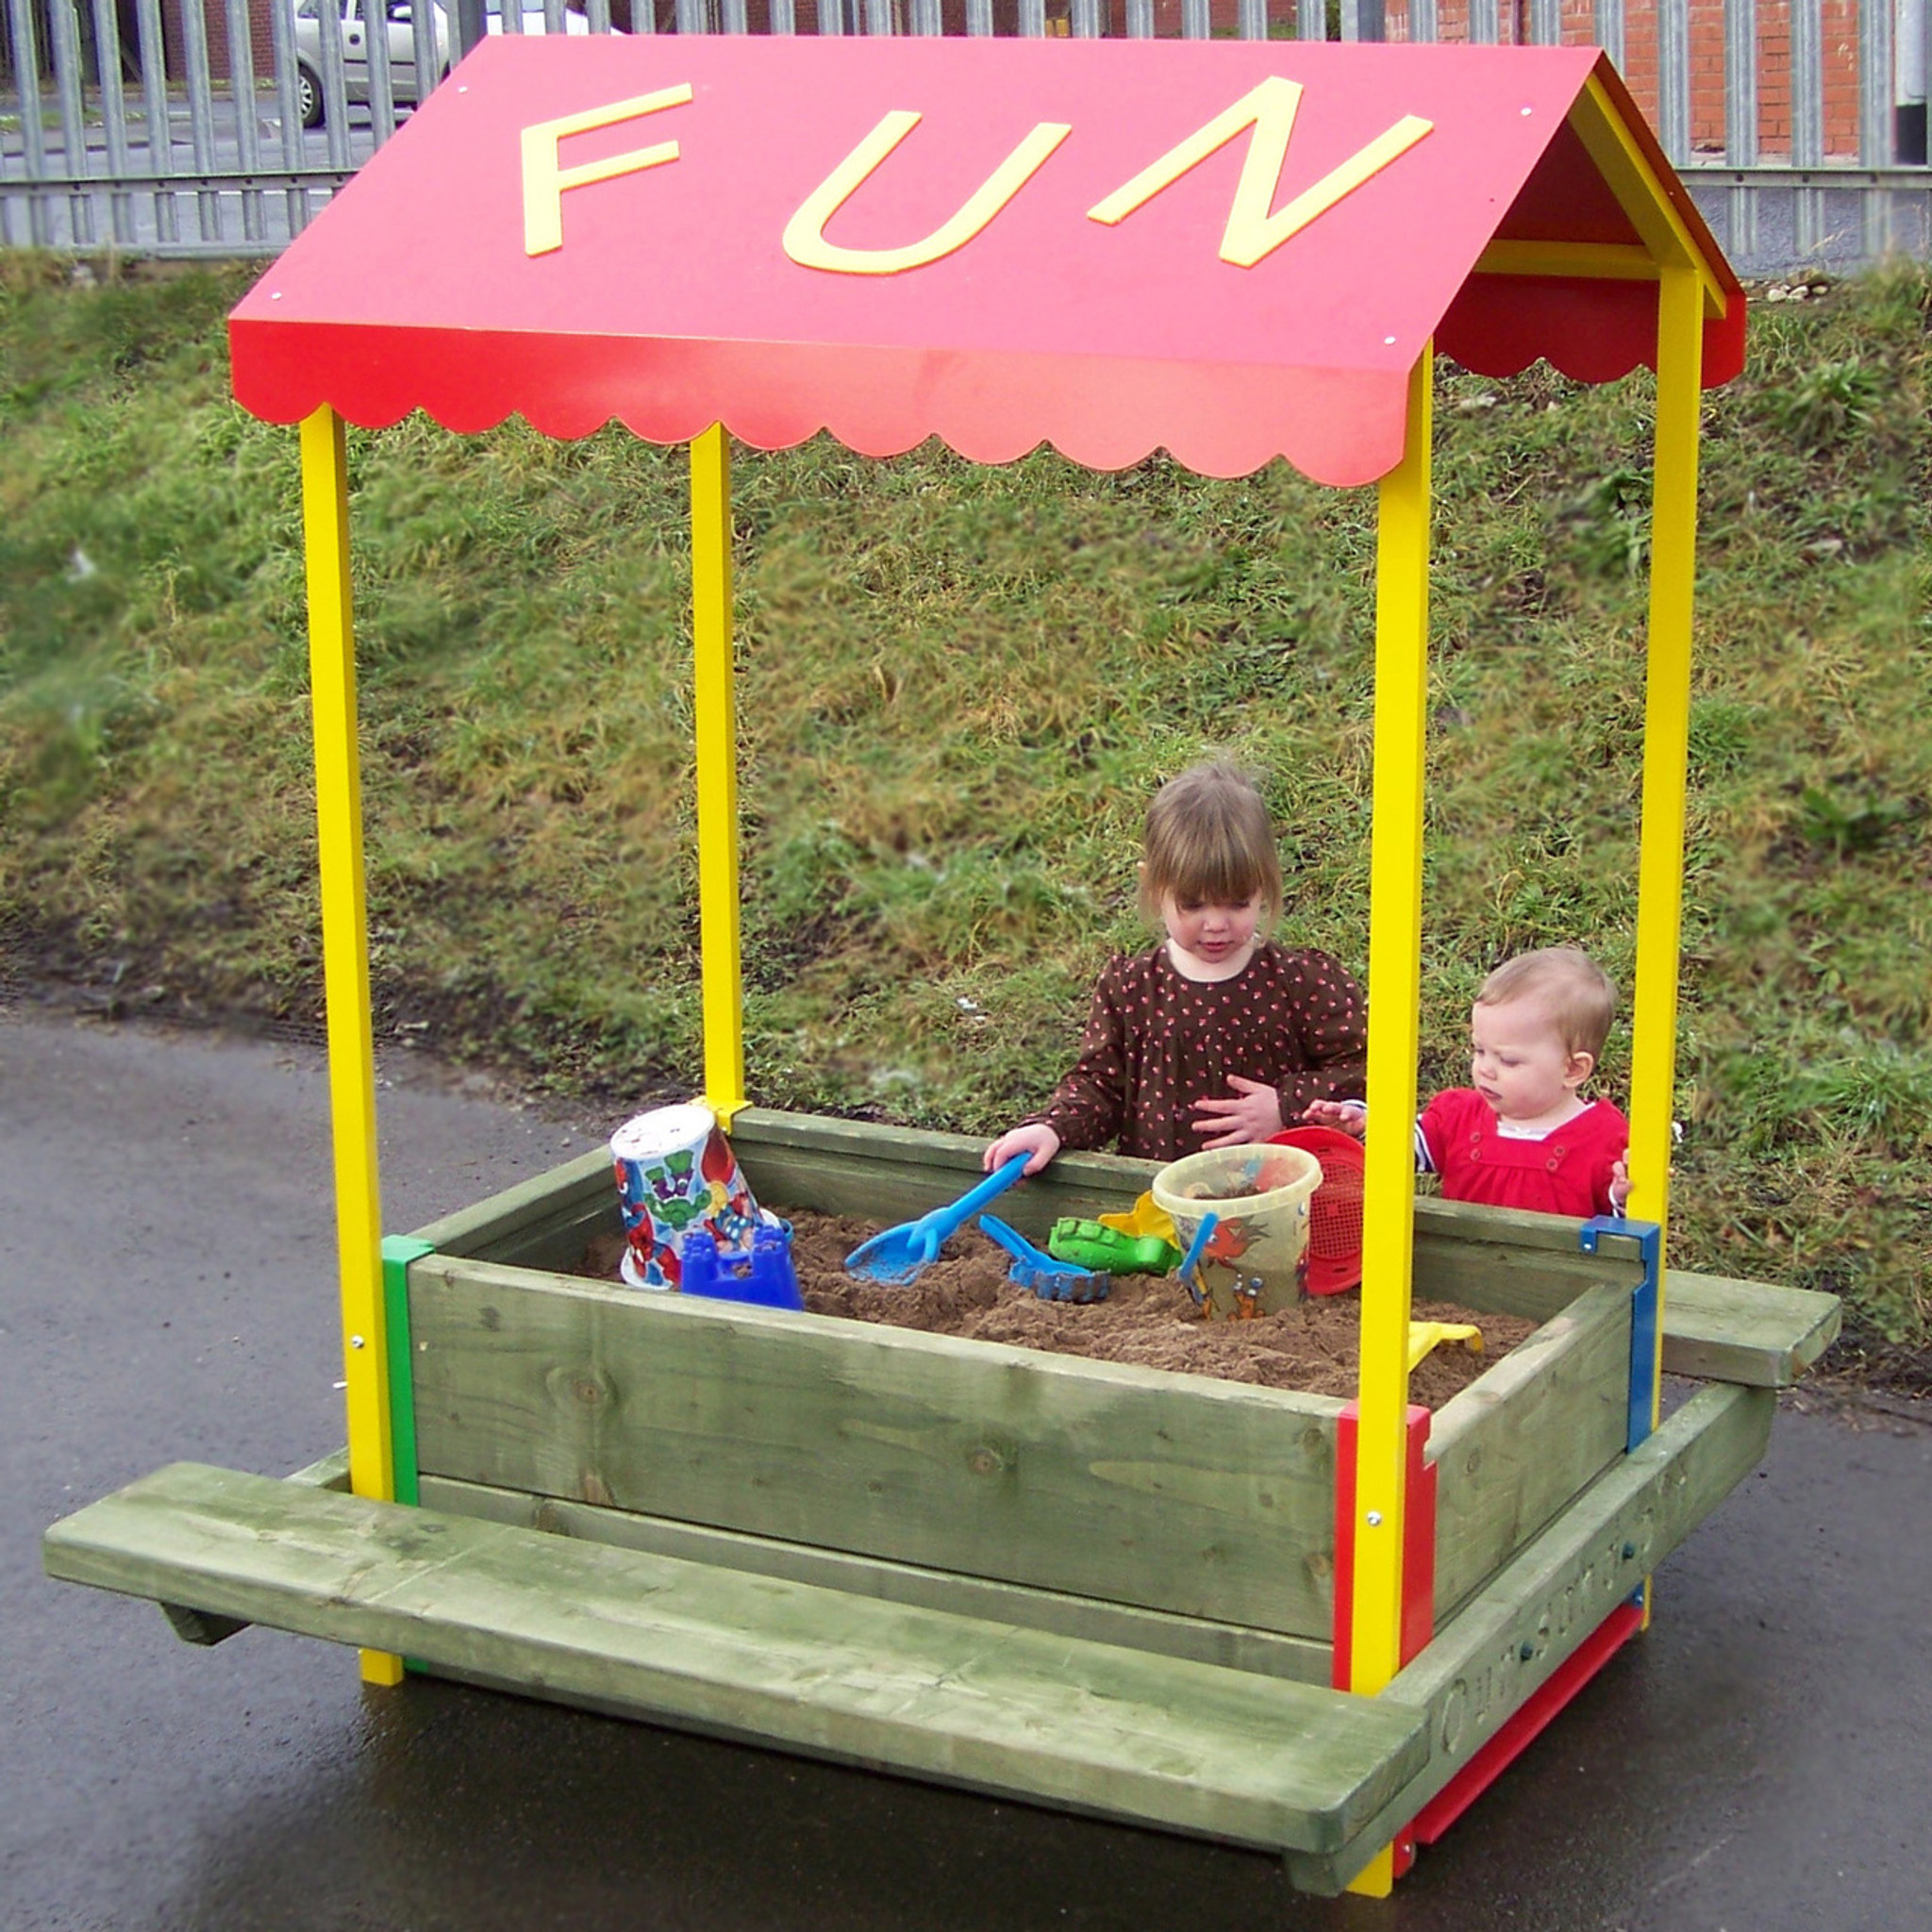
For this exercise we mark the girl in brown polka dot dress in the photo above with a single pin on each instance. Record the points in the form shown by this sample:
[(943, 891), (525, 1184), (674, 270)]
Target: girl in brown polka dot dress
[(1217, 1035)]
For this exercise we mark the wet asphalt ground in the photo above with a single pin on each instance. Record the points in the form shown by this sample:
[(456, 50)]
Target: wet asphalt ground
[(1757, 1764)]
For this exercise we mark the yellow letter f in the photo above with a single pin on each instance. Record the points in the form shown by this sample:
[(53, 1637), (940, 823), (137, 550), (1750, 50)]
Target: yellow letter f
[(545, 182)]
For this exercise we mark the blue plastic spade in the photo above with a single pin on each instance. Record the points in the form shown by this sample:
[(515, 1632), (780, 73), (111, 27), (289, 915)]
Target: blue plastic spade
[(1186, 1273), (897, 1255)]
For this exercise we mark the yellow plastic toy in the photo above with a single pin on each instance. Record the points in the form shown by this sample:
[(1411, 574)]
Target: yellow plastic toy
[(1147, 1216), (1424, 1335)]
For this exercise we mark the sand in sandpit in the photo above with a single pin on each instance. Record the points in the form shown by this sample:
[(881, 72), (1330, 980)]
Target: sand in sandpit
[(1144, 1319)]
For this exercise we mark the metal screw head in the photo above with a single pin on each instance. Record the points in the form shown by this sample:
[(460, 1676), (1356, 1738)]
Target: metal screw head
[(1525, 1650), (1374, 1519), (1629, 1551), (356, 1341)]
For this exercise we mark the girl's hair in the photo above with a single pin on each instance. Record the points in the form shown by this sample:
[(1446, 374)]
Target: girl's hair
[(1575, 991), (1209, 843)]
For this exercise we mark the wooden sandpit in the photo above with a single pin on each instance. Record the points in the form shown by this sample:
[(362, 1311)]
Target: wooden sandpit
[(1085, 1581)]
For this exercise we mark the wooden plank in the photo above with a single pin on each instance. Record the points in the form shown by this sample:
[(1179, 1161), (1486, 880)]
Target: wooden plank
[(519, 1226), (1233, 1646), (1513, 1448), (1523, 1264), (1161, 1741), (1754, 1332), (784, 1153), (1097, 1478), (895, 1173), (1483, 1266), (330, 1471), (1505, 1227), (1534, 1613)]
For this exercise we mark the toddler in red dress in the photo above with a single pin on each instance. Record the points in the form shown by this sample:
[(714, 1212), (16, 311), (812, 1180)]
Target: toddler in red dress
[(1523, 1135)]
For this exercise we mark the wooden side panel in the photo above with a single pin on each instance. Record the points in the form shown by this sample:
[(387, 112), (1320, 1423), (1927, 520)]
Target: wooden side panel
[(1757, 1333), (540, 1222), (1517, 1444), (1516, 1264), (1087, 1477), (1188, 1746), (1233, 1646), (1510, 1639)]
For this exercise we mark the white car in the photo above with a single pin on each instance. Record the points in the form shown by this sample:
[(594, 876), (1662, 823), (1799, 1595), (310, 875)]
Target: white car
[(401, 46)]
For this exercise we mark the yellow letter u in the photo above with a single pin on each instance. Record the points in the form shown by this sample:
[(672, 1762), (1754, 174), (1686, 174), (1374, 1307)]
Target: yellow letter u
[(805, 233)]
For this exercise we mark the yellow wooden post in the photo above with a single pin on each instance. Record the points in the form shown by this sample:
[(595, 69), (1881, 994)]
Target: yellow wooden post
[(717, 770), (346, 970), (1395, 898), (1666, 742), (1688, 288)]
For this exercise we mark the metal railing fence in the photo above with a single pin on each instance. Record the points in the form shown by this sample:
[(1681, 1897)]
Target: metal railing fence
[(218, 127)]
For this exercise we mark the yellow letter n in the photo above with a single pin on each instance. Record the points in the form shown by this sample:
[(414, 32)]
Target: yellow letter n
[(1252, 233), (545, 182)]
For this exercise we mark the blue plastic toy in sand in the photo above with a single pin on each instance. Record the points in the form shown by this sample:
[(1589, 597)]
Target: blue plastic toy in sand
[(765, 1277), (1051, 1280), (1187, 1272), (897, 1255)]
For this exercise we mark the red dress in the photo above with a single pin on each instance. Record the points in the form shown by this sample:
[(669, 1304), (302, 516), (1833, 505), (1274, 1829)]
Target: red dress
[(1566, 1171)]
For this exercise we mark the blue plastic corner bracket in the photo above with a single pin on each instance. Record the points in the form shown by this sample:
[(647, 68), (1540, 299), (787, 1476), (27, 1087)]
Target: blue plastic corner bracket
[(1648, 1239)]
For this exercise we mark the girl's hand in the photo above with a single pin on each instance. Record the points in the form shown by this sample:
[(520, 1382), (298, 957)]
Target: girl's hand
[(1351, 1116), (1253, 1114), (1036, 1139)]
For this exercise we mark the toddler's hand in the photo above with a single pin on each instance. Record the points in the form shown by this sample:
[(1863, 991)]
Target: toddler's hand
[(1037, 1139), (1253, 1114), (1620, 1182), (1351, 1116)]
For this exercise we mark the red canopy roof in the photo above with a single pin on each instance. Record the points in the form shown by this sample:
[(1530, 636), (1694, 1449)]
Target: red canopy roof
[(481, 264)]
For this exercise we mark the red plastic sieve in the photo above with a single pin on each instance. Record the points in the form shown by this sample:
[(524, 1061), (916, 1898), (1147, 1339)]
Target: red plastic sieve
[(1335, 1210)]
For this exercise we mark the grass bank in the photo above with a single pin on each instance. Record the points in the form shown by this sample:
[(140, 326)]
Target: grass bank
[(958, 686)]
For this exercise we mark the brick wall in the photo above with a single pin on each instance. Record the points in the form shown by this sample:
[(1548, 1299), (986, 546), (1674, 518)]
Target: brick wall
[(1839, 44), (215, 17)]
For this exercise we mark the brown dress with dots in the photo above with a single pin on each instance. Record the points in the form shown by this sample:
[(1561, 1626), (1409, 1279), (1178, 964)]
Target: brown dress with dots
[(1158, 1042)]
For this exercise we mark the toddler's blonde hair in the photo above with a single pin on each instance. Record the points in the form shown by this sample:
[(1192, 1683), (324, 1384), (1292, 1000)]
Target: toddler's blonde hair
[(1208, 840), (1576, 992)]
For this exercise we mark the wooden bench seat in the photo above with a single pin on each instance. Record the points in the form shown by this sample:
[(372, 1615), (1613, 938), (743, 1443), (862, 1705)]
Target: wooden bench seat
[(1159, 1740), (1756, 1333)]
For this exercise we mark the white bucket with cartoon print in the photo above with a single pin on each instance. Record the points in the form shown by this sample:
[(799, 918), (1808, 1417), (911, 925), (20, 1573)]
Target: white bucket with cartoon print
[(675, 1173)]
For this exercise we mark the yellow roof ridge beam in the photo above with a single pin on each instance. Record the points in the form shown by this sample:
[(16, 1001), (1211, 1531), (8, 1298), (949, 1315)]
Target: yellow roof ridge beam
[(1614, 262), (1640, 193)]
